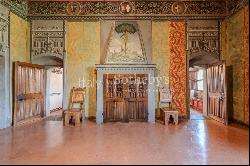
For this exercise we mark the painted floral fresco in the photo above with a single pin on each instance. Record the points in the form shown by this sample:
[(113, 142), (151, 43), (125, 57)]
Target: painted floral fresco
[(125, 44)]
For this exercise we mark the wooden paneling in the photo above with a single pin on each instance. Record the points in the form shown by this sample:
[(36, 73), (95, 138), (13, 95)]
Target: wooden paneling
[(217, 97), (125, 97), (29, 90)]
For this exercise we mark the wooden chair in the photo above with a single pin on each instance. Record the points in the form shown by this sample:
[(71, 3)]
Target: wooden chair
[(165, 106), (77, 97)]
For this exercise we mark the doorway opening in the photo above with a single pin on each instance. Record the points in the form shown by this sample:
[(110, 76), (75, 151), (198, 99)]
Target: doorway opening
[(197, 89), (54, 92)]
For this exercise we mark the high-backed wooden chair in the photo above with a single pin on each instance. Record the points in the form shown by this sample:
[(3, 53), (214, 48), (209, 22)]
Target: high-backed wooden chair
[(165, 106), (76, 113)]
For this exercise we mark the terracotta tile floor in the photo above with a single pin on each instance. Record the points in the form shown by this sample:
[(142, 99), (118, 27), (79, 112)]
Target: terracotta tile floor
[(191, 142)]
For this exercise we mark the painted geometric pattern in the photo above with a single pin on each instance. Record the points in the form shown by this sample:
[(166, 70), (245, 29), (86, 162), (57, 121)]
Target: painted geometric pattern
[(246, 60), (177, 71)]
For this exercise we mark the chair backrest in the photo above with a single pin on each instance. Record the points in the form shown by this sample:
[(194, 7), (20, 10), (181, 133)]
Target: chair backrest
[(77, 96), (165, 96)]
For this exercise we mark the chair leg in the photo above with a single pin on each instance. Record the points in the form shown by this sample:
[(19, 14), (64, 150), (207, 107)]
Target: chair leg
[(176, 119), (66, 120), (77, 119)]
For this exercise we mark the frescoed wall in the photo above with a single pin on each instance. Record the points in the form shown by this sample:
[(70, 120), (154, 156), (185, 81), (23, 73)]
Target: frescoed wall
[(160, 49), (83, 52), (19, 39), (178, 66), (235, 52), (19, 43)]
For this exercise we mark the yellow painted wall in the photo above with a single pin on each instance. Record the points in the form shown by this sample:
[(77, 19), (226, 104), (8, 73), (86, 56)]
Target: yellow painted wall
[(160, 52), (160, 47), (19, 43), (83, 52), (232, 41), (19, 39)]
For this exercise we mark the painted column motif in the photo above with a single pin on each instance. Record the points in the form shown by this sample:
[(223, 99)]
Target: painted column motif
[(177, 70), (246, 63)]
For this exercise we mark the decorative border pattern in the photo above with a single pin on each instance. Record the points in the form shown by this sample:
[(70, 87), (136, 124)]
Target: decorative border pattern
[(233, 6), (246, 63), (157, 9), (47, 39), (141, 9), (178, 66), (19, 7), (4, 30)]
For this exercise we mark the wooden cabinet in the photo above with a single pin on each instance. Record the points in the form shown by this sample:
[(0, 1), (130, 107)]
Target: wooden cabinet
[(125, 97)]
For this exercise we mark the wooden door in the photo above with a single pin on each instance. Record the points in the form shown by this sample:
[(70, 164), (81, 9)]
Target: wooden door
[(29, 84), (125, 98), (137, 98), (217, 97), (114, 93)]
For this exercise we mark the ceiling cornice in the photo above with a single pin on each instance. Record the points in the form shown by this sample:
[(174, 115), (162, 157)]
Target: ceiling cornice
[(19, 7), (154, 9), (111, 9)]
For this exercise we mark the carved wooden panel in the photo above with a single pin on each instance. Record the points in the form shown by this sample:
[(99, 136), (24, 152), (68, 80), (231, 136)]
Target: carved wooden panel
[(125, 97), (217, 92), (28, 92)]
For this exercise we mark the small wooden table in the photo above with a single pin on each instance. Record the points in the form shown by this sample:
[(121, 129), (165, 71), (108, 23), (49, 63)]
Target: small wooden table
[(170, 112)]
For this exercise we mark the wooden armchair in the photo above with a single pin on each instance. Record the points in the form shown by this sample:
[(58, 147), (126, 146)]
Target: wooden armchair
[(77, 97)]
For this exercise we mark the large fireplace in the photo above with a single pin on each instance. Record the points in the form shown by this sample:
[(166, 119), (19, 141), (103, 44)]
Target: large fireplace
[(125, 77), (125, 92)]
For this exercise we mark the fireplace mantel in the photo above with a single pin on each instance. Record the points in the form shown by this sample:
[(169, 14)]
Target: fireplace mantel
[(125, 69)]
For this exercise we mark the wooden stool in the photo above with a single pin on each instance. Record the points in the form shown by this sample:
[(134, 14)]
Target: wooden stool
[(168, 113), (76, 115)]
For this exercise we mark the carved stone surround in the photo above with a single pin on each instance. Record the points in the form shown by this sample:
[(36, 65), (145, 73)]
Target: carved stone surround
[(47, 39), (4, 28), (126, 69), (5, 113), (203, 37)]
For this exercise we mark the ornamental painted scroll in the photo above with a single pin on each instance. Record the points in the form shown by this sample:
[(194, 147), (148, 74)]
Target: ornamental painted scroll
[(178, 8), (126, 7), (73, 8), (125, 44)]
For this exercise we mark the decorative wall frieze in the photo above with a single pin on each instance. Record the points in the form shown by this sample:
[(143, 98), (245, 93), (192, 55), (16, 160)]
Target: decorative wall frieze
[(126, 67), (158, 9), (233, 6), (19, 7), (47, 39), (203, 38), (4, 29)]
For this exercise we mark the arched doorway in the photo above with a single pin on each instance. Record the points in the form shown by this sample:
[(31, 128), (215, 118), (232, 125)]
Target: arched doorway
[(198, 100)]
